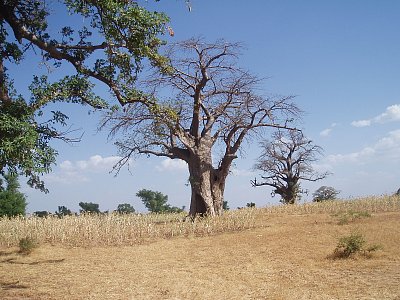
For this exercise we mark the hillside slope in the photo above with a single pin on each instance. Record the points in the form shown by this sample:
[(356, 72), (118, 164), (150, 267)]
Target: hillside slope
[(286, 256)]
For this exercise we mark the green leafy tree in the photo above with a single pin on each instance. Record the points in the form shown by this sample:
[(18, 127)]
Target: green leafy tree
[(89, 207), (156, 202), (174, 209), (12, 202), (225, 205), (63, 211), (325, 193), (250, 204), (125, 208), (107, 47), (41, 213)]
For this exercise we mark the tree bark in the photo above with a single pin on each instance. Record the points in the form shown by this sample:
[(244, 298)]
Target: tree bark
[(207, 184)]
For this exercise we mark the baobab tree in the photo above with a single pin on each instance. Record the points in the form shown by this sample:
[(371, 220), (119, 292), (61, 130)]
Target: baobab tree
[(201, 111), (285, 161)]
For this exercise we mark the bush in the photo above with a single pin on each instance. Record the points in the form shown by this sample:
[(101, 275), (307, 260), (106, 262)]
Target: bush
[(350, 216), (27, 245), (353, 244)]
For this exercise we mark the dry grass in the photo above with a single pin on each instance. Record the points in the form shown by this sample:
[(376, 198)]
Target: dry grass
[(117, 230), (283, 254)]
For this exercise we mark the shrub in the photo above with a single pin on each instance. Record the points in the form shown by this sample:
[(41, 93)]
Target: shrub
[(350, 216), (353, 244), (27, 245)]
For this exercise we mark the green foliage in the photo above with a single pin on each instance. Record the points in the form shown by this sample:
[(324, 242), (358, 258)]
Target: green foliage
[(352, 244), (27, 245), (63, 211), (24, 144), (41, 213), (89, 207), (325, 193), (12, 202), (108, 47), (250, 204), (125, 208), (350, 216), (156, 202), (225, 205)]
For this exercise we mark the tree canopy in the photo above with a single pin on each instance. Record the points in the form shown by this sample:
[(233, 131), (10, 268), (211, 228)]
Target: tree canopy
[(202, 111), (156, 202), (325, 193), (89, 207), (12, 201), (287, 160), (125, 208), (108, 48)]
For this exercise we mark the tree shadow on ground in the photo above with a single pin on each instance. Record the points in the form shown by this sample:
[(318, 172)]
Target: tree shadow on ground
[(47, 261), (12, 285)]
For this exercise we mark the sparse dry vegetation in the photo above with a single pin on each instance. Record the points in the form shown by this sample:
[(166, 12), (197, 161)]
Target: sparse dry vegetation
[(118, 229), (269, 253)]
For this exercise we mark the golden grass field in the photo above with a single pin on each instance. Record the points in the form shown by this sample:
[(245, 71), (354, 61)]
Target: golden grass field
[(268, 253)]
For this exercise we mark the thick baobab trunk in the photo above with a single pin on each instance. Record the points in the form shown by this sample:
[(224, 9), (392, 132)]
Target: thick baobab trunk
[(207, 186)]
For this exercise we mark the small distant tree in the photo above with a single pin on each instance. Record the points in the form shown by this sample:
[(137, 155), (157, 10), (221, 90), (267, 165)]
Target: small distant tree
[(63, 211), (174, 209), (225, 205), (89, 207), (325, 193), (156, 202), (251, 204), (125, 208), (286, 161), (12, 202), (41, 213)]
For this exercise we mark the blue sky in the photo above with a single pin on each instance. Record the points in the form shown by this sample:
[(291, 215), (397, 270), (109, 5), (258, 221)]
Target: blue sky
[(340, 58)]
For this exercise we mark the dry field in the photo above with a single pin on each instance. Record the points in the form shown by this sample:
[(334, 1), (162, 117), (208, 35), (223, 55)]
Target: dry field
[(270, 253)]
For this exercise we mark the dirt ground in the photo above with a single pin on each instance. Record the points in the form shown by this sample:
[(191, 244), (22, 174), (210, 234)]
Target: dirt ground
[(284, 257)]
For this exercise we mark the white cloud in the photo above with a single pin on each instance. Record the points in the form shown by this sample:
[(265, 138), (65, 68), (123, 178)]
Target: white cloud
[(361, 123), (74, 172), (391, 114), (327, 131), (387, 147), (242, 172), (354, 157), (172, 165), (96, 163)]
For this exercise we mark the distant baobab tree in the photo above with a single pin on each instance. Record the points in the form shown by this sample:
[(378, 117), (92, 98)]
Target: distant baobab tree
[(285, 161)]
